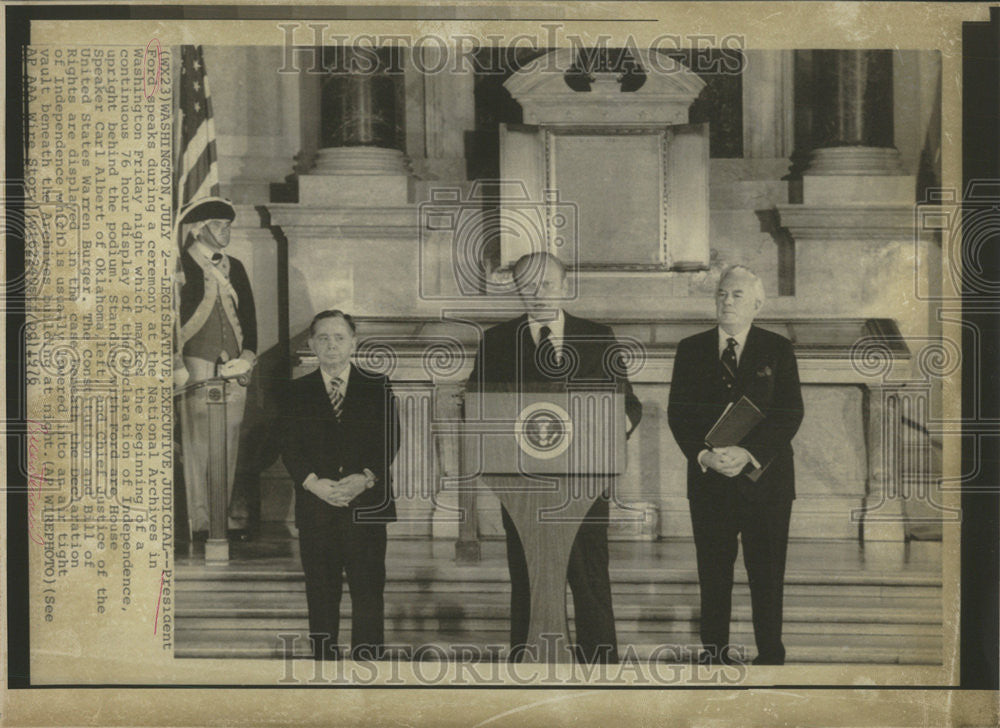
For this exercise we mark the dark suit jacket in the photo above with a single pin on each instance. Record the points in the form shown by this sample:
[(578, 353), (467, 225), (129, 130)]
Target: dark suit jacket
[(768, 375), (367, 436), (193, 291), (506, 357)]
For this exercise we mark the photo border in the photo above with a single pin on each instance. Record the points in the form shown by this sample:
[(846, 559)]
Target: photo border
[(980, 531)]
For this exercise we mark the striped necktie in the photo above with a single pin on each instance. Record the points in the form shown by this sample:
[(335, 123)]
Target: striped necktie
[(336, 396)]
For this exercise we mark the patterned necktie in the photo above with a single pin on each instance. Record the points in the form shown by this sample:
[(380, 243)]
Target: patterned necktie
[(729, 362), (336, 397)]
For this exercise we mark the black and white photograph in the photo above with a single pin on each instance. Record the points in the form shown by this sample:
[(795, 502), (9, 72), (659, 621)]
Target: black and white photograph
[(371, 349), (663, 230)]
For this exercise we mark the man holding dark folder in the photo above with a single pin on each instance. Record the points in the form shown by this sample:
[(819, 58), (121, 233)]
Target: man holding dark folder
[(735, 405)]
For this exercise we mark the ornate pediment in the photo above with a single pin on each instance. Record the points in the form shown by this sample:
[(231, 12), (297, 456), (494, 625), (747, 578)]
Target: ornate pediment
[(542, 90)]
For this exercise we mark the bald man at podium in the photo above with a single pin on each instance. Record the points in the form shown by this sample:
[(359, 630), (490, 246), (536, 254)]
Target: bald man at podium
[(528, 351)]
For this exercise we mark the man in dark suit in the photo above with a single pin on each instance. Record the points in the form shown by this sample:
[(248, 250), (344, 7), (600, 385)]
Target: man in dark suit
[(217, 337), (743, 491), (341, 433), (543, 346)]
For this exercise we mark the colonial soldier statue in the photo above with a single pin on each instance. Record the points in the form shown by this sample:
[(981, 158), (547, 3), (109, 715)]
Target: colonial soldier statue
[(217, 338)]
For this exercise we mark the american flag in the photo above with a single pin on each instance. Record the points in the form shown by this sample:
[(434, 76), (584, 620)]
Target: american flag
[(197, 164), (197, 171)]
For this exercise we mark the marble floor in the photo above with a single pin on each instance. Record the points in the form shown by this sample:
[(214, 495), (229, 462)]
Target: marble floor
[(274, 546)]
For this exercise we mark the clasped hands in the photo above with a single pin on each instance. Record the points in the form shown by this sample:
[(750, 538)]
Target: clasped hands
[(337, 493), (235, 368), (728, 461)]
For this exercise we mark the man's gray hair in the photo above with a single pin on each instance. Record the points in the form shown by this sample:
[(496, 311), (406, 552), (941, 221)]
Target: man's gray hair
[(535, 262), (758, 284)]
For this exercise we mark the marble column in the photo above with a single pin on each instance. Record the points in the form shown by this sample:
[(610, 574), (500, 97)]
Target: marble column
[(882, 518), (853, 94), (450, 113), (854, 160), (414, 480), (768, 105), (360, 160), (359, 99)]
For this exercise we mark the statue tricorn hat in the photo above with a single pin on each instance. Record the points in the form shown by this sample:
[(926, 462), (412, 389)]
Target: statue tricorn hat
[(207, 208)]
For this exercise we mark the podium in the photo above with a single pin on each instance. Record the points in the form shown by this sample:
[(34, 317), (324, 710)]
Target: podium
[(547, 454)]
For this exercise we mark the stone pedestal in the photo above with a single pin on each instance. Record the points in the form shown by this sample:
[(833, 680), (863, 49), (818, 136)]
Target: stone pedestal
[(884, 258), (859, 189), (359, 259)]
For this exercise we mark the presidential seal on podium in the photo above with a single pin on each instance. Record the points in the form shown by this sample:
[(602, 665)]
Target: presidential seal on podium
[(543, 430)]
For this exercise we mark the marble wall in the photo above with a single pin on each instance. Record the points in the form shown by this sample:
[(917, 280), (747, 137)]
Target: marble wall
[(830, 466), (257, 119), (260, 115), (843, 259)]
